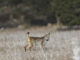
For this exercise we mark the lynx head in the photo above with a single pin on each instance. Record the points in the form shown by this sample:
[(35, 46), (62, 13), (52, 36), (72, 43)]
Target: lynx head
[(47, 36)]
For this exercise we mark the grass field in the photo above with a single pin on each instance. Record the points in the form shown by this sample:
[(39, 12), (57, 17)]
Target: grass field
[(63, 45)]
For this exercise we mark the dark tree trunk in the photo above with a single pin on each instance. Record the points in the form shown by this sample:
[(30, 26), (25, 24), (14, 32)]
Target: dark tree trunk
[(59, 24)]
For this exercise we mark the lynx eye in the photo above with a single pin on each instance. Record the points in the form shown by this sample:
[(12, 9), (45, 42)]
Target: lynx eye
[(47, 40)]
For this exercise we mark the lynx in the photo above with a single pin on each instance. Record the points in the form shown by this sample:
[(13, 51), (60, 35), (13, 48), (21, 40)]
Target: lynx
[(31, 40)]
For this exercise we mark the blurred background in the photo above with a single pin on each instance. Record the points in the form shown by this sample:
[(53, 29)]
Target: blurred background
[(29, 13)]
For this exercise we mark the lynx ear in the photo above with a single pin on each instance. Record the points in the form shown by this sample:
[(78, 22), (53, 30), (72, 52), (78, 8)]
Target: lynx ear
[(48, 33)]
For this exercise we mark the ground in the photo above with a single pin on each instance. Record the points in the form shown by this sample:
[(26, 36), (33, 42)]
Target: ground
[(63, 45)]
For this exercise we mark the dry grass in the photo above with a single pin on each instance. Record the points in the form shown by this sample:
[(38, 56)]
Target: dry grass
[(60, 47)]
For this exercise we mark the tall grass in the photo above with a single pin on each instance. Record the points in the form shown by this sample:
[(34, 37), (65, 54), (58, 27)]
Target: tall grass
[(59, 47)]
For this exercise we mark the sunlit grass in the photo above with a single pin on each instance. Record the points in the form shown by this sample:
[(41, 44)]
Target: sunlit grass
[(59, 47)]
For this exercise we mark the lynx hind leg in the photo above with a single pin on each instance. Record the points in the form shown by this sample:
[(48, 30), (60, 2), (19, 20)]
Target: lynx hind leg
[(31, 46), (25, 47)]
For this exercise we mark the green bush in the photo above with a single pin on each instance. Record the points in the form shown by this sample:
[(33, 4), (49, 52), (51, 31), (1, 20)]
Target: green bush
[(27, 26)]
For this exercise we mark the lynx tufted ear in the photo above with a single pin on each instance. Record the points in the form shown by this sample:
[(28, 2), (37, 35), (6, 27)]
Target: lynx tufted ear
[(48, 32)]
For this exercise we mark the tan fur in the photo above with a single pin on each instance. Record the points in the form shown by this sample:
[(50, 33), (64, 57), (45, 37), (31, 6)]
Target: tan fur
[(31, 40)]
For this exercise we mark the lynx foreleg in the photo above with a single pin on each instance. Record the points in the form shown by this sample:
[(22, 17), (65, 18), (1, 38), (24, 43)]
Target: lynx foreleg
[(42, 44)]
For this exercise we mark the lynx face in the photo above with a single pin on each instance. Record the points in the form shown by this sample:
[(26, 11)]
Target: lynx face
[(47, 37)]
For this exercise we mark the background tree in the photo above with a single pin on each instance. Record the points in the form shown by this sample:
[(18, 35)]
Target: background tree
[(67, 11)]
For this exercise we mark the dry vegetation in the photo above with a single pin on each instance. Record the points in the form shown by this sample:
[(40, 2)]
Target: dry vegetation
[(63, 45)]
